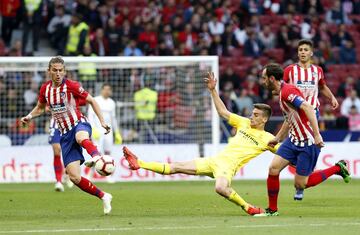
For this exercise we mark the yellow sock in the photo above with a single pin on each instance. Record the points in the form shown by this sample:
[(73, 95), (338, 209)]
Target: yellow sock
[(235, 198), (161, 168)]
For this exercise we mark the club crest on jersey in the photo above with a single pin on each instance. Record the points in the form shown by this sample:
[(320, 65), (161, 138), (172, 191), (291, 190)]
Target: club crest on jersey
[(314, 74), (81, 90), (62, 95)]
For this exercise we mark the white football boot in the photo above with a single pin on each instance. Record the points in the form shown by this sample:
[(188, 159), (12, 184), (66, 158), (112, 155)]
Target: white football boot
[(107, 198)]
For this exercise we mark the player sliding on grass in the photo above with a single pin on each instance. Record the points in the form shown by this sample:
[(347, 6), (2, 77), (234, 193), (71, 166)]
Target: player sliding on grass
[(249, 142), (302, 146), (64, 97)]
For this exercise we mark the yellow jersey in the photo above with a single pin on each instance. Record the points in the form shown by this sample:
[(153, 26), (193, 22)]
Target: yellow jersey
[(246, 144)]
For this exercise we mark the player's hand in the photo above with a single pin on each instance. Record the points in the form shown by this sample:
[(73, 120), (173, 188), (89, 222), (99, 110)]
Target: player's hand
[(95, 134), (272, 143), (118, 137), (25, 120), (106, 127), (319, 141), (334, 103), (210, 81)]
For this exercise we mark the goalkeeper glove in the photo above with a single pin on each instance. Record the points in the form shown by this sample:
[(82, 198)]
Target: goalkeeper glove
[(95, 134), (118, 138)]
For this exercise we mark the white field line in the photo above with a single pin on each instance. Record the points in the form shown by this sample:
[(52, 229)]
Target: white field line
[(174, 228)]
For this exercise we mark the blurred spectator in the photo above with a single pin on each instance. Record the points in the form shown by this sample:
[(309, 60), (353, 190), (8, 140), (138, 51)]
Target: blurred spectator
[(113, 34), (354, 119), (188, 37), (30, 96), (253, 46), (148, 39), (351, 99), (216, 48), (328, 118), (346, 87), (58, 29), (244, 103), (87, 71), (336, 15), (103, 15), (132, 50), (341, 36), (16, 49), (204, 35), (230, 76), (168, 11), (31, 22), (13, 104), (307, 31), (150, 12), (322, 34), (8, 11), (167, 37), (347, 53), (228, 40), (307, 5), (78, 36), (163, 50), (267, 38), (92, 16), (100, 44), (216, 27), (242, 34), (228, 96), (324, 53), (124, 14)]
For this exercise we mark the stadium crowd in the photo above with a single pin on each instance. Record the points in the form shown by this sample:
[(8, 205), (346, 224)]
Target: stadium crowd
[(245, 34)]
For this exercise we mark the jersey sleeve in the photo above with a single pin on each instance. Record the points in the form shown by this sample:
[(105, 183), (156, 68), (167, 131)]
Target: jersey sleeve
[(78, 91), (322, 81), (238, 121), (286, 76), (41, 97), (292, 96)]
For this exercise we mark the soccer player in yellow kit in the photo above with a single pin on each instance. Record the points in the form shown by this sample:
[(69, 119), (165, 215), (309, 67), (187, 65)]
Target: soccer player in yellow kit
[(250, 141)]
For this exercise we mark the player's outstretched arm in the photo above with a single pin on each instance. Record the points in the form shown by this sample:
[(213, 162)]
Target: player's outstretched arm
[(281, 135), (325, 90), (310, 114), (96, 108), (211, 81), (37, 111)]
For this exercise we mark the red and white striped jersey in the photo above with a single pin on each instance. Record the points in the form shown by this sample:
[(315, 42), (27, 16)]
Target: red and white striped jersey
[(307, 80), (64, 102), (291, 99)]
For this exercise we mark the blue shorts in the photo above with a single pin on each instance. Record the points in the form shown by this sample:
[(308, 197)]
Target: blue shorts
[(71, 150), (304, 158), (54, 137)]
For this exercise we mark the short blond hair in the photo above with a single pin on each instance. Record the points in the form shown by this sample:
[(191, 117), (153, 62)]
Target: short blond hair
[(56, 60)]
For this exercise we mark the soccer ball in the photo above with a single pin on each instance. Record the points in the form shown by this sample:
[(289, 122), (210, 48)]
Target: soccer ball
[(105, 165)]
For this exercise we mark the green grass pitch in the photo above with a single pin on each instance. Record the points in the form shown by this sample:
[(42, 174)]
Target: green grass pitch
[(178, 208)]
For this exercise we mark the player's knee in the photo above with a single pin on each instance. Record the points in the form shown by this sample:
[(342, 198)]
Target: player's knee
[(75, 178), (221, 190), (273, 170)]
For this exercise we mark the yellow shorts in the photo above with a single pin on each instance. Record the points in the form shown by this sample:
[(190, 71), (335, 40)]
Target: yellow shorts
[(215, 167)]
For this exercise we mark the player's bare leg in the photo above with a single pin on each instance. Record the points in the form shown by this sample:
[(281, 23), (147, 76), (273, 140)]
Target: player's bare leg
[(222, 187)]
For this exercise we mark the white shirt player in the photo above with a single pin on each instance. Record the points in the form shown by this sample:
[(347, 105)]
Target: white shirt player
[(108, 108)]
